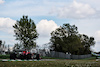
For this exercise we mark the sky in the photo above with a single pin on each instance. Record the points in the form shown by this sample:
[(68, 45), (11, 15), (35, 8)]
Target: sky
[(49, 15)]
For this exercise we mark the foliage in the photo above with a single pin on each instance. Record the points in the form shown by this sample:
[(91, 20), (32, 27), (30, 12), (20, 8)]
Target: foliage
[(2, 46), (4, 56), (25, 32), (17, 46), (0, 43), (66, 39), (86, 42)]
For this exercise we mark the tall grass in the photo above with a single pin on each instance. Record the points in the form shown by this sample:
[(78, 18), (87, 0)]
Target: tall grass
[(57, 63)]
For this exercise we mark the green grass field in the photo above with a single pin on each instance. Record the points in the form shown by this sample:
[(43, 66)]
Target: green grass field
[(57, 63)]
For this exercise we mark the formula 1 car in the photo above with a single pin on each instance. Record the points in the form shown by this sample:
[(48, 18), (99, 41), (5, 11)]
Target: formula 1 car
[(23, 54)]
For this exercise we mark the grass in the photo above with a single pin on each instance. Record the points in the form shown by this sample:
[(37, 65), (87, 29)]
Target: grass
[(57, 63), (51, 58), (90, 58)]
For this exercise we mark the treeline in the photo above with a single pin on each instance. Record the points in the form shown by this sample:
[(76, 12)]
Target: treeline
[(66, 38)]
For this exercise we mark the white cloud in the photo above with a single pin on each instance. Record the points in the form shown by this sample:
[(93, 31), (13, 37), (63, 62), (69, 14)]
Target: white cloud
[(97, 39), (94, 3), (90, 1), (2, 1), (96, 47), (6, 25), (45, 27), (75, 10), (97, 36)]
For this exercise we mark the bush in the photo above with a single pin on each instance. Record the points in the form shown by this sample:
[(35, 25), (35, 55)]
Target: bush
[(4, 56)]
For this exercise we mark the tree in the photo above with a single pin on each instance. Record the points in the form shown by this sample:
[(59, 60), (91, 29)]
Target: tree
[(17, 46), (66, 39), (2, 46), (0, 43), (25, 32), (86, 42)]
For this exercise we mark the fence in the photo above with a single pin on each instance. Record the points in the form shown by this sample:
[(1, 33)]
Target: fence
[(80, 56), (67, 56)]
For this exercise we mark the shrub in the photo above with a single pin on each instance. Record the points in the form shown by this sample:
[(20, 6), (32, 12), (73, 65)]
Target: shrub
[(4, 56)]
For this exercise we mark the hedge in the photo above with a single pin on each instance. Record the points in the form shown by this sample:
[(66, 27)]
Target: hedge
[(4, 56)]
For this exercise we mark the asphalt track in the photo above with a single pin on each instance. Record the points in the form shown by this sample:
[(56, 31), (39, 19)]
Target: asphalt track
[(27, 60)]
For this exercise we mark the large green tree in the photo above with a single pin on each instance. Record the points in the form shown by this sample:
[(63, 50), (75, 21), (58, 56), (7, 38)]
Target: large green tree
[(25, 32), (67, 39)]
